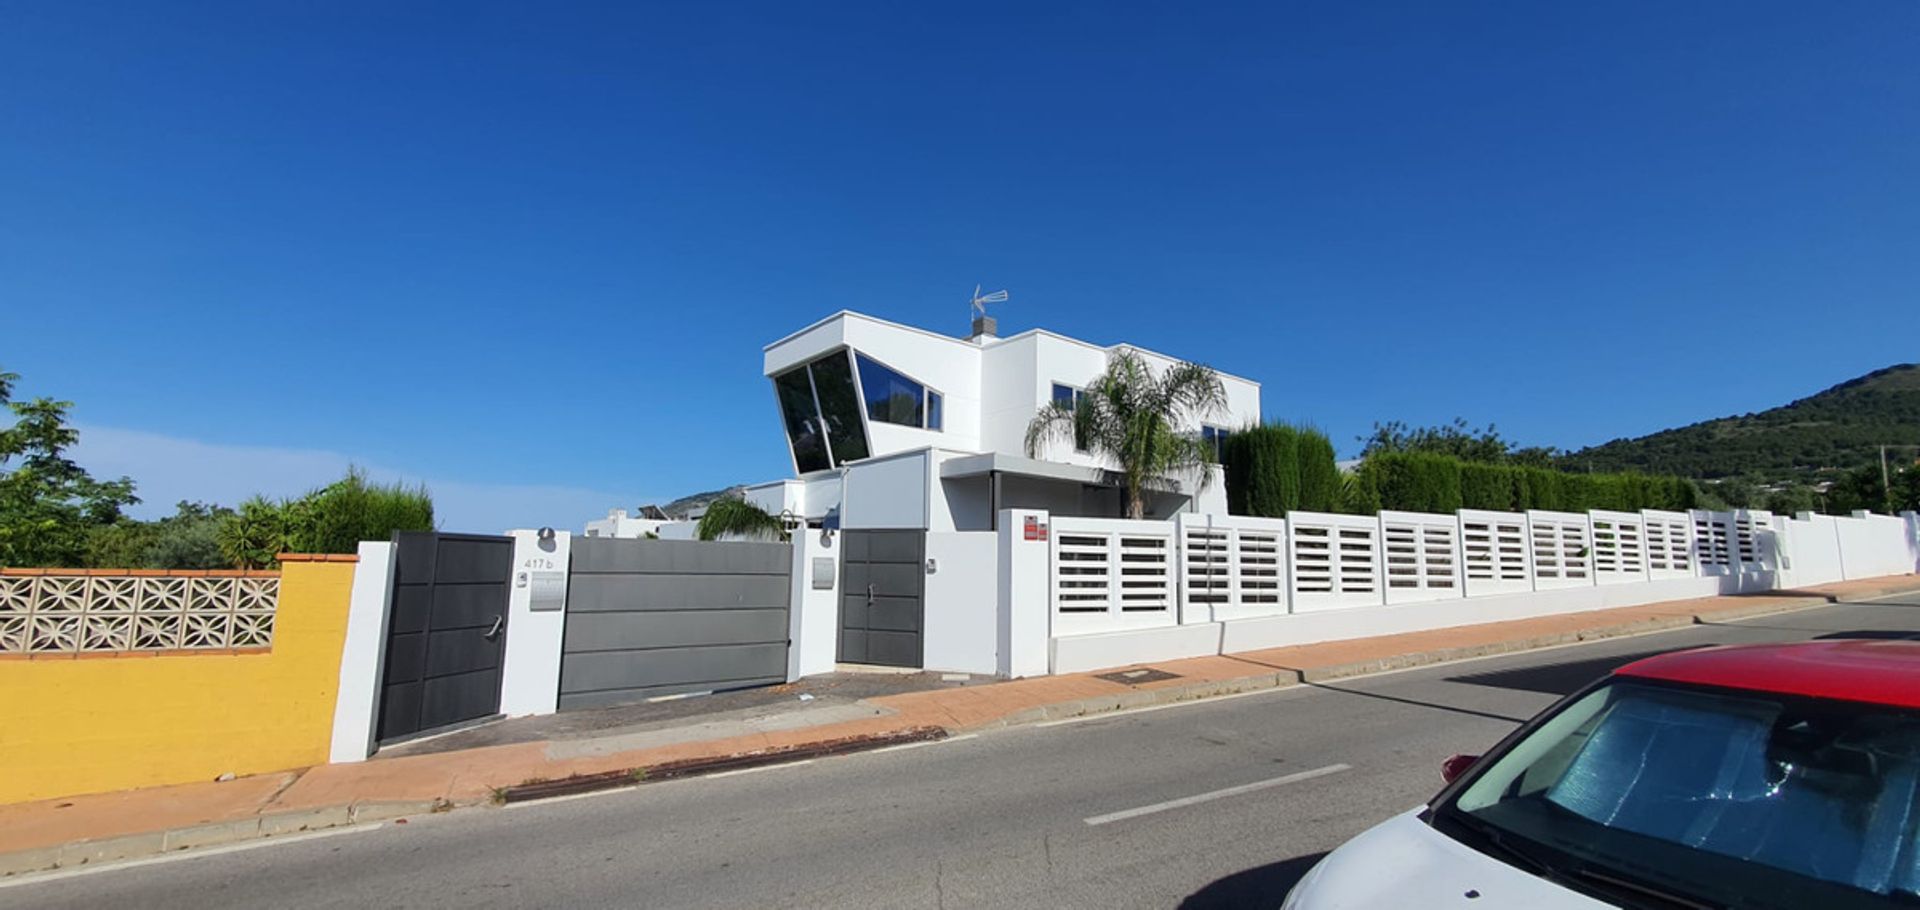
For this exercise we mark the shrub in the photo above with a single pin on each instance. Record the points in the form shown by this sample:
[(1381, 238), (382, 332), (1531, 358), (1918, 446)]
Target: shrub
[(1360, 491), (1487, 486), (331, 519), (1263, 471), (1319, 472), (1416, 481)]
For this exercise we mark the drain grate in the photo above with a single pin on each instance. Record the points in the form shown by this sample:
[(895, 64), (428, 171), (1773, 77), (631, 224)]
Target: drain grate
[(1136, 676)]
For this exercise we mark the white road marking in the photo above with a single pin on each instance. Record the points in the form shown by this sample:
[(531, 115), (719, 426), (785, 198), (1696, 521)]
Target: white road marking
[(1185, 801), (54, 875), (1209, 700), (923, 743)]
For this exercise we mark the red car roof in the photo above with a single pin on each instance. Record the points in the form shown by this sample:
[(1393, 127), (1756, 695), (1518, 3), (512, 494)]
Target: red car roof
[(1881, 672)]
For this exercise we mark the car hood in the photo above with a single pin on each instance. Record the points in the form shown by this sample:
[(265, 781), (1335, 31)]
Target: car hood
[(1403, 862)]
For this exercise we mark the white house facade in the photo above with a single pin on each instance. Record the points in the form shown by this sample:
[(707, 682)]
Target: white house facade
[(894, 427)]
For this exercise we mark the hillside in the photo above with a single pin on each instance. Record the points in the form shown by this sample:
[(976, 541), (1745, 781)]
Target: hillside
[(1840, 428)]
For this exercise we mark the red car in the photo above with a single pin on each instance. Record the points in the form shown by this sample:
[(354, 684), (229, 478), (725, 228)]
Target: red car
[(1741, 776)]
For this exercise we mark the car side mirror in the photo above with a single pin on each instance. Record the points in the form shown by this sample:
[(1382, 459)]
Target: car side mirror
[(1455, 766)]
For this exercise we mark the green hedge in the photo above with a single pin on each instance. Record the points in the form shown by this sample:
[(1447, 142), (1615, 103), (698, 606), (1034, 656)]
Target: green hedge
[(1274, 468), (1418, 482)]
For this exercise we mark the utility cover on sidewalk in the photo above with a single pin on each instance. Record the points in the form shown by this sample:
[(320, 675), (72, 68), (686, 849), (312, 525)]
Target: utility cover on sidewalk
[(1136, 676)]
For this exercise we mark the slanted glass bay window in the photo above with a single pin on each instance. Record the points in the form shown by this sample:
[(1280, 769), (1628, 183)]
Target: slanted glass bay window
[(822, 413), (894, 398)]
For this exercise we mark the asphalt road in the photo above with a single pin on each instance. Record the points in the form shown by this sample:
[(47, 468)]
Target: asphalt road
[(996, 820)]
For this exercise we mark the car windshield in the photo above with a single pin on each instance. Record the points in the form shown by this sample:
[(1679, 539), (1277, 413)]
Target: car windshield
[(1650, 794)]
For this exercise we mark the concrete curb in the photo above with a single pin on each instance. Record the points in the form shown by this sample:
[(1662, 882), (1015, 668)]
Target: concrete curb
[(266, 826), (211, 834)]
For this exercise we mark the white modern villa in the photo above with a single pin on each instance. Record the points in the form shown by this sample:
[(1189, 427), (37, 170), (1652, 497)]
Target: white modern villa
[(895, 427)]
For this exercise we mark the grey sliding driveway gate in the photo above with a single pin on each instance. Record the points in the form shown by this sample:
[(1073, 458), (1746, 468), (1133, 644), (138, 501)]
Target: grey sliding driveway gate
[(658, 617)]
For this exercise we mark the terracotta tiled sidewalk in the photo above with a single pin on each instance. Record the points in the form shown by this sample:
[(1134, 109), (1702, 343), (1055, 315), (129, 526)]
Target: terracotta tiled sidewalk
[(105, 826)]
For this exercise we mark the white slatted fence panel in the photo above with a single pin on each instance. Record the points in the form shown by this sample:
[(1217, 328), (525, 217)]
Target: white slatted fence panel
[(1335, 561), (1494, 553), (1421, 556), (1562, 549), (1713, 542), (1619, 546), (1111, 575), (1669, 544)]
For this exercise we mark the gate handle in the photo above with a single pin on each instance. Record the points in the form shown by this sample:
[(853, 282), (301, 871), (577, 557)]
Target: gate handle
[(869, 595), (494, 632)]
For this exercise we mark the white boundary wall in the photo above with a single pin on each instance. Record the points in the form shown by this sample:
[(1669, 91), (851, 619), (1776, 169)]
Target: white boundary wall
[(1135, 592)]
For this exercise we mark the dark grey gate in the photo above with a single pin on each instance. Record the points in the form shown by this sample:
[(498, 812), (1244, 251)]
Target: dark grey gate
[(659, 617), (883, 597), (445, 632)]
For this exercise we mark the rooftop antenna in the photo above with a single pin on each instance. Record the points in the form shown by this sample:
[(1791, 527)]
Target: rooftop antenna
[(984, 325)]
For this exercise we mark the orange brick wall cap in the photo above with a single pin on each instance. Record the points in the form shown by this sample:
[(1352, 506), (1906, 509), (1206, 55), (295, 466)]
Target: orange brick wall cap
[(318, 557)]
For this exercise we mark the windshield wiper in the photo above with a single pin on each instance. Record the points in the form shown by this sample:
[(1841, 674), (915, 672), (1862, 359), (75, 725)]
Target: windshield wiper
[(1526, 858)]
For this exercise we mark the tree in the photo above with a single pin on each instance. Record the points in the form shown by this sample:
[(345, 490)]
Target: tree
[(734, 517), (187, 539), (1456, 439), (330, 519), (1131, 415), (48, 503)]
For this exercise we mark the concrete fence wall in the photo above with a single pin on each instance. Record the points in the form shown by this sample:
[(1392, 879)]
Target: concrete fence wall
[(94, 720), (1244, 584)]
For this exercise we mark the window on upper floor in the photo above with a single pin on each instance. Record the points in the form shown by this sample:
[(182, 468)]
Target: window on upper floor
[(821, 411), (893, 398), (1071, 397), (1216, 440)]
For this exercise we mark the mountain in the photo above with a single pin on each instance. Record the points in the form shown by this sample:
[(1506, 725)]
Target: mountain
[(1835, 430), (696, 501)]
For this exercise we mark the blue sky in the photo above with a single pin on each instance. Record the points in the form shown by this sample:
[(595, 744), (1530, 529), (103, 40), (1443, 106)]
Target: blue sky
[(530, 255)]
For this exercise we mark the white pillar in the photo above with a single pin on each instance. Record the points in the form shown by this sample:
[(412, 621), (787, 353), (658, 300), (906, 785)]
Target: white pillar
[(356, 706), (1026, 596), (813, 618), (536, 626)]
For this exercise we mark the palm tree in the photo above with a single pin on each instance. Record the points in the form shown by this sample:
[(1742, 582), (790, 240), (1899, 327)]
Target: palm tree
[(1132, 416), (739, 518)]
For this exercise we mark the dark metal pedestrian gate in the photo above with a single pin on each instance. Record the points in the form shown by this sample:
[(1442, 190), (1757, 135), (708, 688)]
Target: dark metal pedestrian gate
[(658, 617), (446, 631), (883, 598)]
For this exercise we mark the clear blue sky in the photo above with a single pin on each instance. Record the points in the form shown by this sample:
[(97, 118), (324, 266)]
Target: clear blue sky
[(531, 254)]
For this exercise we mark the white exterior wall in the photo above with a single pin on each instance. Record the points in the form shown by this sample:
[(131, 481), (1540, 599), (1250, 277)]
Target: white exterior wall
[(1809, 550), (1025, 603), (960, 633), (888, 492)]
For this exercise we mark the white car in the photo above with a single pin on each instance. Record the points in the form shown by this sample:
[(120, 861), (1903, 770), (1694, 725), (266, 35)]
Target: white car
[(1747, 776)]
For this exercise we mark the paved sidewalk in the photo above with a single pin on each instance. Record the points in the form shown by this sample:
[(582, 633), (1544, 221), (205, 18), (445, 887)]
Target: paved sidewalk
[(106, 827)]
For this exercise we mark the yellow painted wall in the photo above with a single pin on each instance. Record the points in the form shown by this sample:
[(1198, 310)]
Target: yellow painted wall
[(89, 725)]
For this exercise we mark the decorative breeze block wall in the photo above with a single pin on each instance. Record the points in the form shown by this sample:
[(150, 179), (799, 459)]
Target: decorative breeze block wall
[(47, 612)]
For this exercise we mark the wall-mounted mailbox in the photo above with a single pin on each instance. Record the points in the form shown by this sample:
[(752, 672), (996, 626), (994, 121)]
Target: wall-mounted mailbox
[(823, 569), (549, 591)]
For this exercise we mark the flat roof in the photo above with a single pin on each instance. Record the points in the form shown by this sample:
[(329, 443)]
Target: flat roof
[(1872, 671), (999, 463), (995, 342)]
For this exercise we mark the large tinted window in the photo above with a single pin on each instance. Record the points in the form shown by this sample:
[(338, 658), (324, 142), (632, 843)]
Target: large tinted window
[(840, 405), (803, 422), (891, 397)]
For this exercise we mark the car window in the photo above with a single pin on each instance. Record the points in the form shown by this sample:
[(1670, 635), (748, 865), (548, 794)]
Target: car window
[(1715, 795)]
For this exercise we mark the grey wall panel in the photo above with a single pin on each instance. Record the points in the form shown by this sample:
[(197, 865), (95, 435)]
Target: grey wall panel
[(895, 546), (637, 592), (571, 701), (601, 670), (684, 557), (674, 629)]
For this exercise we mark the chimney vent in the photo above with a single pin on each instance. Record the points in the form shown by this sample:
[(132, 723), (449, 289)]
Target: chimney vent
[(984, 327)]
